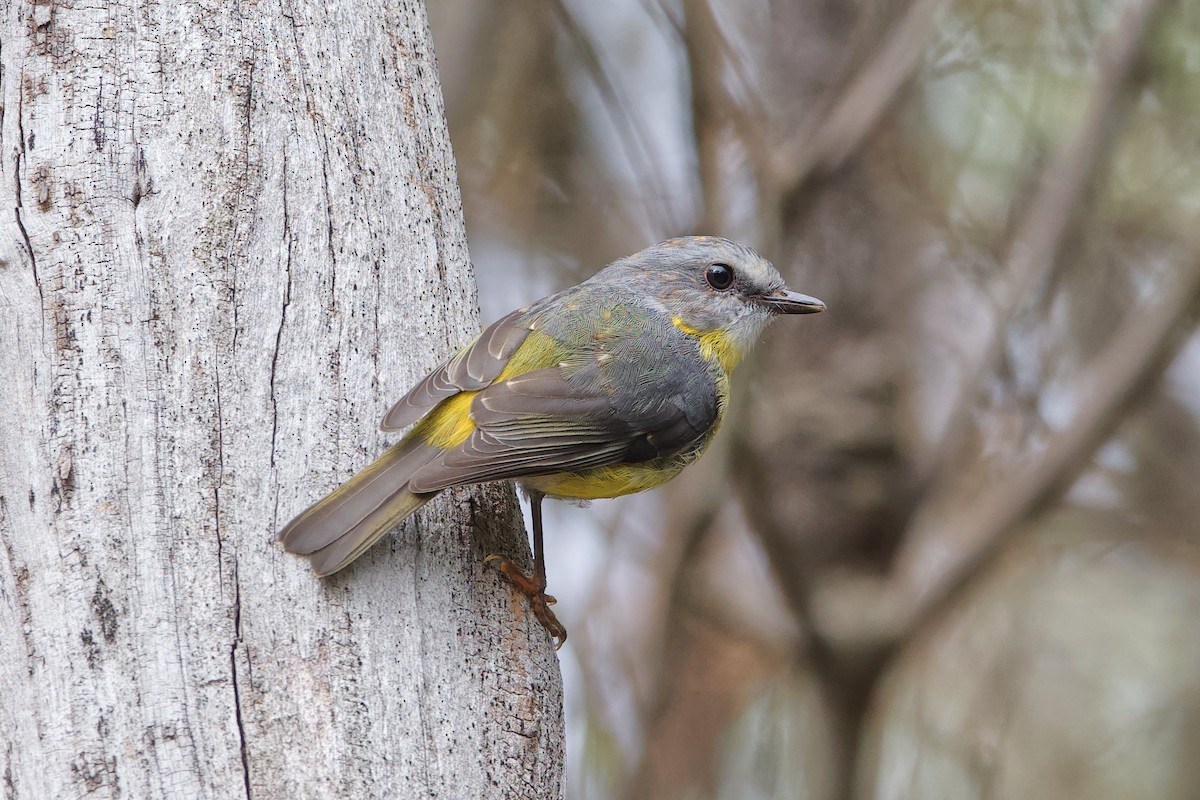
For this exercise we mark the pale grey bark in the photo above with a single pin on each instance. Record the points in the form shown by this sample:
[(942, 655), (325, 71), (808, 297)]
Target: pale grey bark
[(232, 235)]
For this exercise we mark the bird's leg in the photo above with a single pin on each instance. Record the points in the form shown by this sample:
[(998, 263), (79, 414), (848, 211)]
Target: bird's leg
[(534, 586)]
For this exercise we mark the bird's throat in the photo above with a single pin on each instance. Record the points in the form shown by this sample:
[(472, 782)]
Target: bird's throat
[(715, 345)]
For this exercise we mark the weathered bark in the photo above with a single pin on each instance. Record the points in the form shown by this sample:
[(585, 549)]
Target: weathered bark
[(233, 235)]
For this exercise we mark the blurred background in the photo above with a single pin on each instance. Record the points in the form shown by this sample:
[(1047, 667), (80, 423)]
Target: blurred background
[(947, 545)]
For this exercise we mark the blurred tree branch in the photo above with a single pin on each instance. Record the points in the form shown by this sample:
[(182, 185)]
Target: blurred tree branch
[(635, 137), (831, 138), (706, 52), (1132, 363), (1033, 254), (927, 577)]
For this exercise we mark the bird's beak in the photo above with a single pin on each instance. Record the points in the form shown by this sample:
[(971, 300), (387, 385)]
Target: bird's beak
[(788, 302)]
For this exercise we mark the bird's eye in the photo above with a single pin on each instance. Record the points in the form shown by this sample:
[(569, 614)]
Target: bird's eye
[(719, 276)]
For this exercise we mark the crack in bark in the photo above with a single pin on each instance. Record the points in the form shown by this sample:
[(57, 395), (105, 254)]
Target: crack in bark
[(10, 786), (287, 299), (21, 577), (220, 475), (324, 147), (237, 693), (2, 105), (98, 119), (237, 591), (248, 108), (37, 281)]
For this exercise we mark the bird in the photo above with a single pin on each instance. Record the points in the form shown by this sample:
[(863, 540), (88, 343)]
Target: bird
[(604, 389)]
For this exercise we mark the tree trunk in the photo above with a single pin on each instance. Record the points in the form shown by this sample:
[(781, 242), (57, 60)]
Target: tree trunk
[(237, 237)]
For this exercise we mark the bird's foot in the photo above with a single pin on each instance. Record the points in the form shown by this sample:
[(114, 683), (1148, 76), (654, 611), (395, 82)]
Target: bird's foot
[(534, 587)]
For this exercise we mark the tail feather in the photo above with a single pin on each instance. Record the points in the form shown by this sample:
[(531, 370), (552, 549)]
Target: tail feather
[(342, 526), (356, 541)]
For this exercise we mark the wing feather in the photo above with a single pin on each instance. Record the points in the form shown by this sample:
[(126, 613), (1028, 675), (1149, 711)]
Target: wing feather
[(472, 368)]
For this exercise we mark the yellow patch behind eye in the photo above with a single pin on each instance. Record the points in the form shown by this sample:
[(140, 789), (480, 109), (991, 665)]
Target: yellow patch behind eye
[(715, 345)]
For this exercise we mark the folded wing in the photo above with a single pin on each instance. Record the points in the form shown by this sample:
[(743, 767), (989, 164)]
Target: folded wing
[(472, 368), (542, 422)]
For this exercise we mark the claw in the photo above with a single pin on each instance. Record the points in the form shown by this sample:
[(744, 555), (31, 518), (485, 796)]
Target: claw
[(533, 587)]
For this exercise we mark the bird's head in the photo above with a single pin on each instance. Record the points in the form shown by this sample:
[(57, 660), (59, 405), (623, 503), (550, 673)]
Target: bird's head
[(713, 288)]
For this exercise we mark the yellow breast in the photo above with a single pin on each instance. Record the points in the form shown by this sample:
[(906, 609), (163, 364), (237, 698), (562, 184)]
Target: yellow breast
[(614, 480)]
